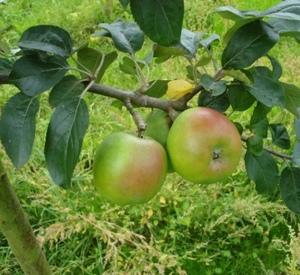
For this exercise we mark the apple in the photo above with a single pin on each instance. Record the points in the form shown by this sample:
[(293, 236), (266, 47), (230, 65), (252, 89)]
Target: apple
[(204, 145), (158, 127), (129, 169)]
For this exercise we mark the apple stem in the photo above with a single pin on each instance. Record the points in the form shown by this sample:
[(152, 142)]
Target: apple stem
[(137, 118)]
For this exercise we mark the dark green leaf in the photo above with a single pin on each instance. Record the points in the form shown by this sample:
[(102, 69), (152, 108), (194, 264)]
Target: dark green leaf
[(231, 13), (292, 98), (240, 99), (91, 59), (70, 86), (290, 188), (267, 91), (277, 69), (65, 134), (129, 66), (124, 3), (47, 38), (164, 53), (219, 103), (33, 75), (190, 41), (160, 20), (296, 153), (157, 88), (126, 36), (215, 87), (17, 127), (5, 67), (255, 145), (259, 122), (280, 136), (263, 170), (248, 43)]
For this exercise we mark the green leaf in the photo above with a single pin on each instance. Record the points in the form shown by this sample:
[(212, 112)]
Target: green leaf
[(33, 75), (47, 38), (255, 145), (162, 53), (160, 20), (248, 43), (280, 136), (259, 122), (64, 139), (129, 66), (240, 99), (296, 153), (219, 103), (70, 86), (191, 41), (215, 87), (91, 59), (17, 127), (5, 67), (263, 170), (267, 91), (292, 98), (231, 13), (277, 69), (158, 88), (127, 36), (206, 43), (290, 188), (124, 3)]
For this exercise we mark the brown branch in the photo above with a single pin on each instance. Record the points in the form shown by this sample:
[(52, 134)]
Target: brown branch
[(139, 99)]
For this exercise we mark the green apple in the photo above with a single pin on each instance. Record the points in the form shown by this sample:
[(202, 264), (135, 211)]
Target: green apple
[(158, 127), (204, 145), (129, 169)]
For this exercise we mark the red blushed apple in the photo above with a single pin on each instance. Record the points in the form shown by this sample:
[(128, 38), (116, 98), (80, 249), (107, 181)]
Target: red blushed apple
[(129, 169), (204, 145)]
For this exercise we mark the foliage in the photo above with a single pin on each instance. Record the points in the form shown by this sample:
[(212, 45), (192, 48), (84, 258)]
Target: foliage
[(238, 83)]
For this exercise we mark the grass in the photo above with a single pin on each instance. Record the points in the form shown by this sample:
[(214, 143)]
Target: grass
[(224, 228)]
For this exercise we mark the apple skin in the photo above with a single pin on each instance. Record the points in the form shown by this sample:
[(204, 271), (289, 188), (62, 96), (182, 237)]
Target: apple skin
[(128, 169), (204, 145)]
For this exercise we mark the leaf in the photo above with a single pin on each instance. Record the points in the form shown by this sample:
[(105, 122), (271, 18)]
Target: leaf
[(231, 13), (129, 66), (157, 88), (263, 170), (33, 75), (206, 43), (70, 86), (255, 145), (163, 53), (124, 3), (17, 127), (259, 122), (190, 41), (290, 188), (5, 67), (178, 88), (47, 38), (91, 59), (277, 69), (280, 136), (292, 98), (160, 20), (64, 139), (249, 42), (215, 87), (127, 36), (267, 91), (296, 153), (219, 103), (240, 99)]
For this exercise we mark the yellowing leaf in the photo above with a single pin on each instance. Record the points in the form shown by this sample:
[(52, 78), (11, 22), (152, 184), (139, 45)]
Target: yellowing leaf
[(178, 88)]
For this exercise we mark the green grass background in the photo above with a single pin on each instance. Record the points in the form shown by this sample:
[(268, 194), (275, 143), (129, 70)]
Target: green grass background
[(223, 228)]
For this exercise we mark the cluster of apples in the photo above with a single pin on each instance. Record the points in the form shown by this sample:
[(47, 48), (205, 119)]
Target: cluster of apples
[(201, 145)]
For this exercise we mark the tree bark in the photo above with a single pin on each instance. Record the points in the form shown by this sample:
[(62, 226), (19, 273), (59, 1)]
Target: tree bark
[(17, 230)]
